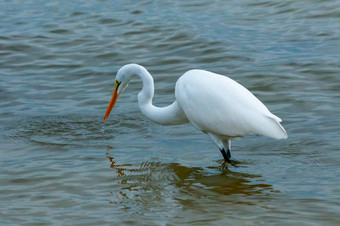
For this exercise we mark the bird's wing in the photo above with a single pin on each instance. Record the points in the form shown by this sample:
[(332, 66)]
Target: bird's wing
[(217, 104)]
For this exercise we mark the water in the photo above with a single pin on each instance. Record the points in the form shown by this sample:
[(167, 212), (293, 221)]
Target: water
[(61, 164)]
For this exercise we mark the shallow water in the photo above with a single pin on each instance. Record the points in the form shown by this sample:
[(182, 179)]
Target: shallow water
[(61, 164)]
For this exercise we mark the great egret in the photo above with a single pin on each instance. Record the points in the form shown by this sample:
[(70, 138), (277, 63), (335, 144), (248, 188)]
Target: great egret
[(214, 104)]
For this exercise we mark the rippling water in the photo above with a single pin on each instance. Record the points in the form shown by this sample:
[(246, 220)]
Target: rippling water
[(60, 163)]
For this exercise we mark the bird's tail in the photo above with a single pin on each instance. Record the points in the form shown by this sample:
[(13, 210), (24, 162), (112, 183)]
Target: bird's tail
[(274, 128)]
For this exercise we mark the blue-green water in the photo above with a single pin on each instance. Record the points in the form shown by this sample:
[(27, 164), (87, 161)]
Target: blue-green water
[(62, 164)]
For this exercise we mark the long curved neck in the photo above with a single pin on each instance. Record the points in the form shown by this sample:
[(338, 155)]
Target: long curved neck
[(170, 115), (145, 96)]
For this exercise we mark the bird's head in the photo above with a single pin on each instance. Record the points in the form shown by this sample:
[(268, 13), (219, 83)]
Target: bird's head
[(123, 78)]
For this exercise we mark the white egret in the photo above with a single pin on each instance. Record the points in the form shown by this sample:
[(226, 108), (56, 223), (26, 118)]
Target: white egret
[(214, 104)]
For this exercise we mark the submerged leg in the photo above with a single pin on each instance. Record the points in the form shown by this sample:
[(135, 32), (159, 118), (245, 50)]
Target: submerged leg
[(226, 156), (223, 144)]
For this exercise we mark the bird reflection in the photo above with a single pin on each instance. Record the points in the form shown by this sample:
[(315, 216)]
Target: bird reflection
[(157, 182), (120, 168)]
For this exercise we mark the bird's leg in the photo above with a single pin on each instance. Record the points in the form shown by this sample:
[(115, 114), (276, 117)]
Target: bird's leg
[(227, 145), (226, 156), (222, 144), (228, 153)]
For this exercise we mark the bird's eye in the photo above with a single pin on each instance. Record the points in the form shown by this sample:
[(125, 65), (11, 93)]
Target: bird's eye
[(117, 84)]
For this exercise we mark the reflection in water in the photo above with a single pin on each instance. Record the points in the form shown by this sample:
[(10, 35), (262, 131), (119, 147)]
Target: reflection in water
[(153, 184), (224, 182), (118, 167)]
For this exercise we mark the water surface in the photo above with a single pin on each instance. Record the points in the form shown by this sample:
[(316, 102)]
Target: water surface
[(62, 164)]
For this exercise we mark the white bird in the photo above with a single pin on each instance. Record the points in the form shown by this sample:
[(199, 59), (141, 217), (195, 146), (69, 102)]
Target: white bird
[(214, 104)]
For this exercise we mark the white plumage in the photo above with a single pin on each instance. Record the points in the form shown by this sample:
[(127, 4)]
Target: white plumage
[(213, 103), (217, 104)]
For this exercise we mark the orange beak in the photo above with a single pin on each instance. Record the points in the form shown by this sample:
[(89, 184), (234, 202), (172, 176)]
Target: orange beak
[(112, 102)]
